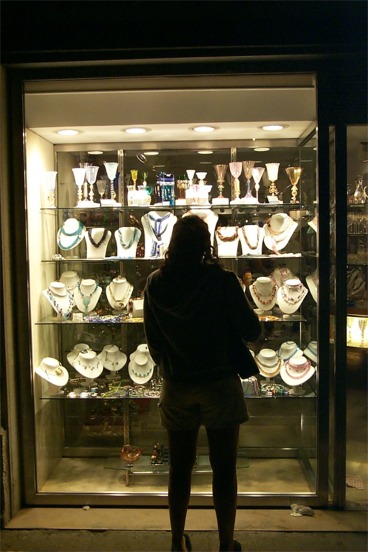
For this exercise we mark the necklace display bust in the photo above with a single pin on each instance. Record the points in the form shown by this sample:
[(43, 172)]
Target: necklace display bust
[(79, 347), (269, 364), (311, 351), (157, 227), (118, 293), (88, 364), (291, 295), (112, 358), (127, 238), (278, 231), (87, 295), (70, 234), (227, 239), (251, 239), (97, 240), (288, 349), (263, 292), (312, 283), (51, 370), (60, 299), (296, 371), (141, 365)]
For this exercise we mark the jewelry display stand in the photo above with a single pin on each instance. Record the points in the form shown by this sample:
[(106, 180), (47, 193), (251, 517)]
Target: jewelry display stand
[(278, 231), (263, 293), (86, 295), (251, 239), (60, 299), (97, 240), (127, 239), (118, 294), (291, 295), (227, 239), (157, 228)]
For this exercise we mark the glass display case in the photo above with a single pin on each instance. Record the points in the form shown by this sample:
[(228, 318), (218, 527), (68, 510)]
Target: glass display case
[(98, 242)]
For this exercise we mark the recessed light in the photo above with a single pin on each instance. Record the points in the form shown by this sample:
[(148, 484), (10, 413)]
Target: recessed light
[(135, 130), (261, 149), (205, 152), (273, 127), (67, 132), (203, 128), (151, 153), (96, 152)]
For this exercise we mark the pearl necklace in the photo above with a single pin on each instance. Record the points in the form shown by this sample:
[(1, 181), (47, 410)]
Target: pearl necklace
[(64, 311), (302, 369), (227, 238), (293, 300), (261, 298), (97, 244), (253, 247), (131, 241), (86, 298)]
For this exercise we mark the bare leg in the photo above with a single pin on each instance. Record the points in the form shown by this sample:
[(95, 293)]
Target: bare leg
[(223, 444), (182, 448)]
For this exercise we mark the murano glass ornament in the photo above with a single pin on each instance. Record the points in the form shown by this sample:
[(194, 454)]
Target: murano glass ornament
[(201, 176), (294, 174), (91, 176), (247, 168), (111, 169), (272, 173), (134, 174), (257, 173), (220, 171), (130, 454), (79, 175), (235, 169), (190, 174), (50, 177)]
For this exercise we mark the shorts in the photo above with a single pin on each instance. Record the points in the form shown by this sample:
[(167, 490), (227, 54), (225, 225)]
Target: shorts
[(184, 406)]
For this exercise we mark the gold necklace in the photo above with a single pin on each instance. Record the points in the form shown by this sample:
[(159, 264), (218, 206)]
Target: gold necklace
[(253, 247), (227, 238), (275, 233), (269, 374)]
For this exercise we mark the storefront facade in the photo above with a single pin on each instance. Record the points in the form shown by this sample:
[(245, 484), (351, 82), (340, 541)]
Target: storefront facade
[(65, 424)]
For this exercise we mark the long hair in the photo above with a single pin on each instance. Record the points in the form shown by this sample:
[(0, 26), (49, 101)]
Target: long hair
[(190, 245)]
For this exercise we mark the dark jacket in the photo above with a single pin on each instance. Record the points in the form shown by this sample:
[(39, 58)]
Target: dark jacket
[(188, 319)]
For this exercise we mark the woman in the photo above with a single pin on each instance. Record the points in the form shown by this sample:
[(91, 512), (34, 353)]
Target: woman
[(192, 307)]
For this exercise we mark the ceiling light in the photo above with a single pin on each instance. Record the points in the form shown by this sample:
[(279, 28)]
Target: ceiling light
[(151, 153), (261, 149), (273, 127), (96, 152), (205, 152), (203, 128), (135, 130), (67, 132)]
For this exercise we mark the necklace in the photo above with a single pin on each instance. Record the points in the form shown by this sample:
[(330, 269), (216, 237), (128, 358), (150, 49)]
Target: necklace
[(264, 299), (227, 238), (155, 231), (131, 241), (62, 309), (97, 244), (253, 247), (301, 370), (57, 372), (120, 303), (78, 233), (264, 372), (141, 374), (86, 298), (89, 366), (284, 228), (293, 300)]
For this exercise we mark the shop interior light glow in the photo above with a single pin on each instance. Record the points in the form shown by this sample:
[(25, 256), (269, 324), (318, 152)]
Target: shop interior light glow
[(68, 132), (273, 127), (357, 331), (136, 130), (203, 128)]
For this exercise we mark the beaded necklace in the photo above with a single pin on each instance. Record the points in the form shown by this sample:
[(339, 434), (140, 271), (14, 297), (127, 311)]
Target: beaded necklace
[(265, 372), (252, 247), (141, 374), (261, 298), (86, 298), (97, 244), (131, 241), (63, 310), (120, 303), (274, 233), (227, 238), (302, 369), (77, 233), (293, 300)]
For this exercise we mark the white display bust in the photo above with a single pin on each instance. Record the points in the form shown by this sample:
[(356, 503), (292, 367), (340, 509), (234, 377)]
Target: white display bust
[(227, 239), (87, 295), (75, 352), (312, 283), (51, 370), (263, 292), (291, 295), (112, 358), (157, 228), (118, 293), (296, 371), (311, 351), (127, 238), (208, 216), (251, 239), (70, 234), (288, 349), (59, 298), (269, 363), (141, 365), (97, 240), (278, 231), (88, 364)]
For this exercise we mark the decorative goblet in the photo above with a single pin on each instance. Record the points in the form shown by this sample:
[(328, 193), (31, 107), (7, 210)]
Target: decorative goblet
[(235, 169), (220, 171), (111, 169), (257, 173), (130, 454), (294, 174), (134, 174), (201, 176), (91, 175), (362, 322), (101, 187), (272, 173), (50, 177), (247, 168), (190, 174), (79, 174)]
